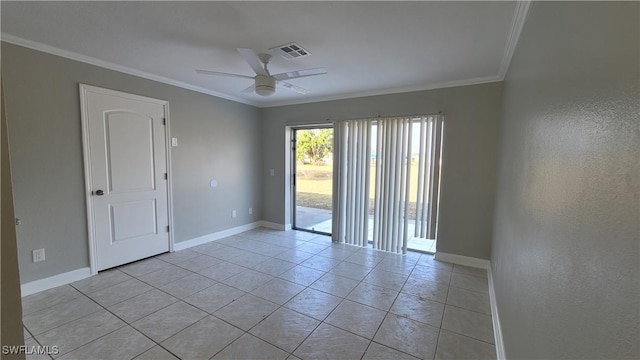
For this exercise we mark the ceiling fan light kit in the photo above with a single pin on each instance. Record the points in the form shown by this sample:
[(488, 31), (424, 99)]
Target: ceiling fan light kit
[(265, 85), (264, 82)]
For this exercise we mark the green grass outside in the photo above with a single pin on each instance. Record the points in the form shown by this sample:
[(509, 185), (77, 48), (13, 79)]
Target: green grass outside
[(314, 183)]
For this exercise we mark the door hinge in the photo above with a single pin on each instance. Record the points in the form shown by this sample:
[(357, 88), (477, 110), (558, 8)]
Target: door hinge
[(167, 228), (164, 121), (166, 176)]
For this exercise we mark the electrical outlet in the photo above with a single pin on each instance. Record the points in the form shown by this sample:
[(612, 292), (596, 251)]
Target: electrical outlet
[(233, 213), (272, 172), (38, 255), (250, 211)]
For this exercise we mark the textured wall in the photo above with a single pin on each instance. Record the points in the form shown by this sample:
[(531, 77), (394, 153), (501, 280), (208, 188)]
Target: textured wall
[(567, 223), (217, 139), (469, 155)]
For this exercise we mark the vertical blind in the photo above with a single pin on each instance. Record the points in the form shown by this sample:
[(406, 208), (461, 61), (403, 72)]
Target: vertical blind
[(351, 173), (397, 140)]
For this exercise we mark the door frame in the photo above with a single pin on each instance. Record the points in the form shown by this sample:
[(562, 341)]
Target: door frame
[(292, 129), (86, 154)]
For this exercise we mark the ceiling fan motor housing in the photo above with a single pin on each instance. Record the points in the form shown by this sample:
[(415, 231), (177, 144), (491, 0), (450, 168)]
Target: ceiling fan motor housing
[(265, 85)]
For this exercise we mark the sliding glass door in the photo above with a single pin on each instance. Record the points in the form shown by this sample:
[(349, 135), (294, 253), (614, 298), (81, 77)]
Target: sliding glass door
[(312, 154)]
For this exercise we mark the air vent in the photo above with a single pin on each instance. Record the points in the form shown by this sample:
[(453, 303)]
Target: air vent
[(291, 51)]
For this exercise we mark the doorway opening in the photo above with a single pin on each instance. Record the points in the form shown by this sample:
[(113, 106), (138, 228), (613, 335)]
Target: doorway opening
[(312, 185)]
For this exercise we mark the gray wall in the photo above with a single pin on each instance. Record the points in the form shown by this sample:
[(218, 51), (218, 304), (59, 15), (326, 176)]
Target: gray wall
[(217, 139), (565, 249), (469, 158)]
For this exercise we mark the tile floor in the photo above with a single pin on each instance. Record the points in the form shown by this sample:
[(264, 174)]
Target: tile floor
[(267, 294)]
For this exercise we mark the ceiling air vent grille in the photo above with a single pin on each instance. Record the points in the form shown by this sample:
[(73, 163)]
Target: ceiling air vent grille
[(291, 51)]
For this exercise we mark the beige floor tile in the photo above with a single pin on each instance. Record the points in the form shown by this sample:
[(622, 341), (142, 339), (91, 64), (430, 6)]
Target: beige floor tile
[(470, 300), (329, 342), (246, 312), (103, 280), (469, 323), (203, 339), (321, 263), (430, 261), (278, 291), (143, 267), (249, 260), (247, 280), (156, 353), (119, 292), (214, 297), (208, 248), (52, 317), (336, 253), (364, 258), (302, 275), (285, 328), (227, 253), (222, 271), (198, 263), (312, 248), (386, 279), (359, 319), (431, 274), (72, 335), (335, 285), (251, 347), (178, 256), (124, 343), (381, 352), (469, 282), (274, 267), (372, 295), (168, 321), (142, 305), (164, 276), (48, 298), (296, 255), (452, 346), (314, 303), (351, 270), (409, 336), (188, 285), (426, 289), (467, 270), (35, 352), (419, 309)]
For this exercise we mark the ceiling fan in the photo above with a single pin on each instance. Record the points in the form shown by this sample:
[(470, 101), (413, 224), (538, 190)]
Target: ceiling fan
[(264, 82)]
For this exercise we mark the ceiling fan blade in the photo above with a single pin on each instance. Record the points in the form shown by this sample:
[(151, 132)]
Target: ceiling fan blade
[(250, 89), (300, 73), (252, 59), (207, 72), (295, 88)]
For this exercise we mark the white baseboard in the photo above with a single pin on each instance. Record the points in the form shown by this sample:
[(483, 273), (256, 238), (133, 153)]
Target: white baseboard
[(462, 260), (497, 329), (215, 236), (54, 281)]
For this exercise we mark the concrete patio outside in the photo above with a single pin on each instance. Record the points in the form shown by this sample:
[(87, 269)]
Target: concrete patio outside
[(320, 220)]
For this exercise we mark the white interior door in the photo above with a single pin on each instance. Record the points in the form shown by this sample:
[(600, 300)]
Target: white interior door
[(125, 151)]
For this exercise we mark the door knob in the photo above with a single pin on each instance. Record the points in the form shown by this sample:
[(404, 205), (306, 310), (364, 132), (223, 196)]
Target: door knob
[(99, 192)]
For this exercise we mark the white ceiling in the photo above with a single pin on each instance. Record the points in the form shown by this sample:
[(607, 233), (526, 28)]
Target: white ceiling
[(367, 47)]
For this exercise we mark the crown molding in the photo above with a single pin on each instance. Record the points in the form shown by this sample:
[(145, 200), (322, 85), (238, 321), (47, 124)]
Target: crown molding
[(116, 67), (424, 87), (517, 23)]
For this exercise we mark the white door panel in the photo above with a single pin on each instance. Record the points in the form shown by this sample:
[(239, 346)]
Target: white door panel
[(127, 159)]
